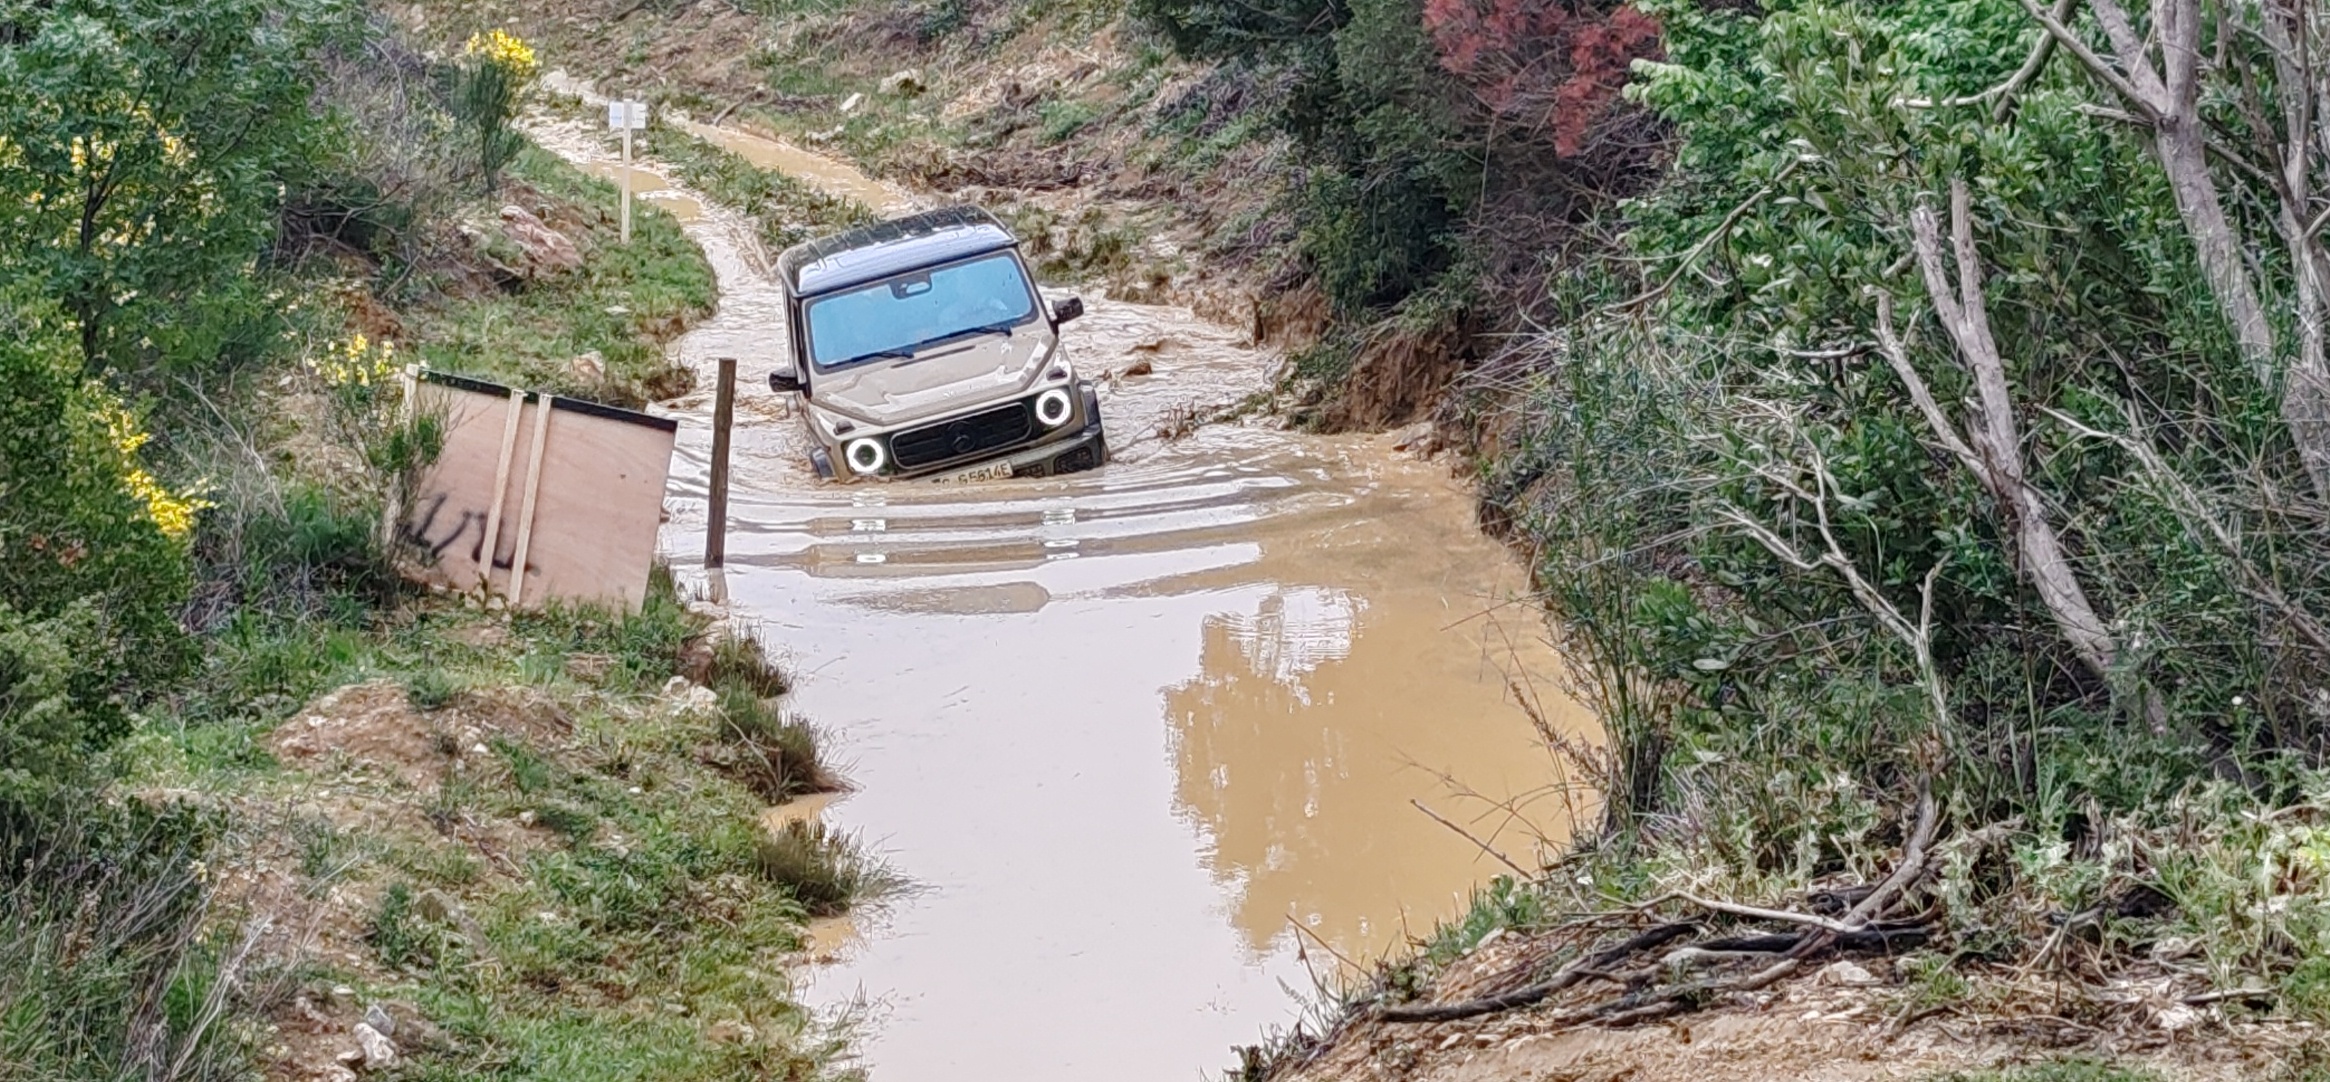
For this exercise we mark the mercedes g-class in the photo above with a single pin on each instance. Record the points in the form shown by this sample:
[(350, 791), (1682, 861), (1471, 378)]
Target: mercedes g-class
[(922, 348)]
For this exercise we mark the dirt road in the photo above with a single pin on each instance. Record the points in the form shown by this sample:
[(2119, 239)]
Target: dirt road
[(1147, 736)]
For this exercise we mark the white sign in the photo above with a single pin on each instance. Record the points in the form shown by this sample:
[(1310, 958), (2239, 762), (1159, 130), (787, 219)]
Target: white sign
[(626, 116)]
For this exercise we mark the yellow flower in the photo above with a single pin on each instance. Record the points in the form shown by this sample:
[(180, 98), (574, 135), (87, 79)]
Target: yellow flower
[(506, 51), (173, 512), (358, 361)]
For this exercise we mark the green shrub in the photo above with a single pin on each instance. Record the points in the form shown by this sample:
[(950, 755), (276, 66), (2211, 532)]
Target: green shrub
[(93, 565)]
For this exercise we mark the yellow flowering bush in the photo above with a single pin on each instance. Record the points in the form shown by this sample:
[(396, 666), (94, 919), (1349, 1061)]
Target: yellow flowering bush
[(495, 71), (173, 512), (506, 51), (356, 362)]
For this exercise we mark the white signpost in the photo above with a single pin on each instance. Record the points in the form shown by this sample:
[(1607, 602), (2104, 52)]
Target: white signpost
[(627, 117)]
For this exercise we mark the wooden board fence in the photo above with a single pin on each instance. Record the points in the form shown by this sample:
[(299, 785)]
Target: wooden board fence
[(565, 495)]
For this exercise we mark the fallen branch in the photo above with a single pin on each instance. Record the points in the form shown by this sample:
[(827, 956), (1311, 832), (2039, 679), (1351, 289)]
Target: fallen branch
[(1760, 913), (1579, 970), (1861, 927)]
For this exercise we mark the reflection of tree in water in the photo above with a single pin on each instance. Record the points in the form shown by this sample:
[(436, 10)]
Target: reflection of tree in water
[(1290, 746)]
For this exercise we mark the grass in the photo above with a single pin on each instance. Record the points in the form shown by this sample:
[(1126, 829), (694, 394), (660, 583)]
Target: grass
[(626, 302), (2064, 1070), (788, 211), (105, 962), (774, 754), (826, 870), (570, 889), (628, 898)]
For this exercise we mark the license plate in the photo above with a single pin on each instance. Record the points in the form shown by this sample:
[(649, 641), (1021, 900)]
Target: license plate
[(993, 471)]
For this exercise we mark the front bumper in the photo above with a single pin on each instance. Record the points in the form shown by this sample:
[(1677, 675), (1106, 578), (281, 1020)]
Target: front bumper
[(1086, 450), (1053, 453)]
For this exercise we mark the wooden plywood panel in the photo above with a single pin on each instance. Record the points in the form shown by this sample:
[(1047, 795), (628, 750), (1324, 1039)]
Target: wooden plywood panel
[(597, 488)]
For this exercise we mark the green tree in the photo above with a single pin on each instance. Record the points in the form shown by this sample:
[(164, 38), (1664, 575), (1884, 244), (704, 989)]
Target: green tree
[(145, 146)]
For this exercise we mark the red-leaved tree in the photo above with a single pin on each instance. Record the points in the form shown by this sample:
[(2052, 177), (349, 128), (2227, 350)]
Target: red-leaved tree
[(1542, 65)]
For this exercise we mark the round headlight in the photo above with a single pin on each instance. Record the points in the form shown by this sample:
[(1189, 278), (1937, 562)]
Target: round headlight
[(1054, 407), (866, 456)]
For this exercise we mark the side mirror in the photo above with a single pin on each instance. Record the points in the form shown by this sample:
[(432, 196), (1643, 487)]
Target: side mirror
[(1067, 309), (785, 382)]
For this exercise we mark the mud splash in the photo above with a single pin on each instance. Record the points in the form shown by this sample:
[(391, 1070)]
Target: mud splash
[(1149, 735)]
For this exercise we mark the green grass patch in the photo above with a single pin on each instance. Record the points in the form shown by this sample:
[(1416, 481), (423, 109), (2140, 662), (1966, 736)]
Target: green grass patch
[(624, 305), (2064, 1070), (826, 870)]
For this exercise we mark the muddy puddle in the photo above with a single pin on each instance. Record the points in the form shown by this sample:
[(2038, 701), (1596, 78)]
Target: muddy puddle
[(1151, 738)]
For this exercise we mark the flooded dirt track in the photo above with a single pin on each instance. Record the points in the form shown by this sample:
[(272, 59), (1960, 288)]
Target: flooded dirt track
[(1147, 736)]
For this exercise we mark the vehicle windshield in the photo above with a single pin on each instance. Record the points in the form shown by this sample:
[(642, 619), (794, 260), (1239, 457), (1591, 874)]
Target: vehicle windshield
[(897, 316)]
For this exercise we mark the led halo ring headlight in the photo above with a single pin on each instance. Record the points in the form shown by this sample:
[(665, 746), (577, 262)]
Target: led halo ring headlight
[(866, 456), (1054, 407)]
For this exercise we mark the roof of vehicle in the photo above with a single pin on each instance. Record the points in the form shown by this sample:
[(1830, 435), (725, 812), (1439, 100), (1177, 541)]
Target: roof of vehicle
[(869, 252)]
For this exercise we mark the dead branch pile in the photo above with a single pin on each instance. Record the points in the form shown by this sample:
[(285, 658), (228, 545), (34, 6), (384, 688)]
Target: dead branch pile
[(1883, 917)]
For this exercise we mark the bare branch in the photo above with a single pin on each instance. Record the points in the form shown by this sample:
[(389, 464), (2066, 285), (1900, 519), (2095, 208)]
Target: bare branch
[(2096, 65)]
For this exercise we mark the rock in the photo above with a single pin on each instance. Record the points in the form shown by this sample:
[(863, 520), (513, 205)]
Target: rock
[(1848, 974), (850, 104), (1152, 345), (351, 1056), (1419, 437), (335, 1072), (905, 83), (589, 368), (545, 251), (375, 1015), (379, 1052), (1140, 368)]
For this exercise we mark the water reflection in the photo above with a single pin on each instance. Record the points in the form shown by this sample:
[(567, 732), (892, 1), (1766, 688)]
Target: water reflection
[(1312, 723)]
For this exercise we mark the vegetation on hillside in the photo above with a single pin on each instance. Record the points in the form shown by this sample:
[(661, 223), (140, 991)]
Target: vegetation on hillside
[(253, 788), (1923, 481)]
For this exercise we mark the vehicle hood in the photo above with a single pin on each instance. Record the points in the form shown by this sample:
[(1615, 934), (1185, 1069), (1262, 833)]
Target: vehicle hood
[(943, 379)]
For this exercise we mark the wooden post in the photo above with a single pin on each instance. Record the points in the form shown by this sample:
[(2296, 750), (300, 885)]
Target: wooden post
[(493, 513), (517, 589), (723, 416)]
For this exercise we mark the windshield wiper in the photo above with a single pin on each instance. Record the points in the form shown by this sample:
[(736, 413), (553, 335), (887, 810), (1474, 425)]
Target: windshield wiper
[(1002, 327), (906, 353)]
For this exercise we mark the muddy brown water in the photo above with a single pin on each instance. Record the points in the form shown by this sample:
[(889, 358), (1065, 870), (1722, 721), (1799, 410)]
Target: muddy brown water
[(1149, 738)]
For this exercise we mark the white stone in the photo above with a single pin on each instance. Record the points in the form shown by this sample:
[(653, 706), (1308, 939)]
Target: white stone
[(379, 1052), (1849, 974)]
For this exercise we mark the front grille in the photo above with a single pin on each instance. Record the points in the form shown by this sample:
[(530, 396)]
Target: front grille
[(988, 430)]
